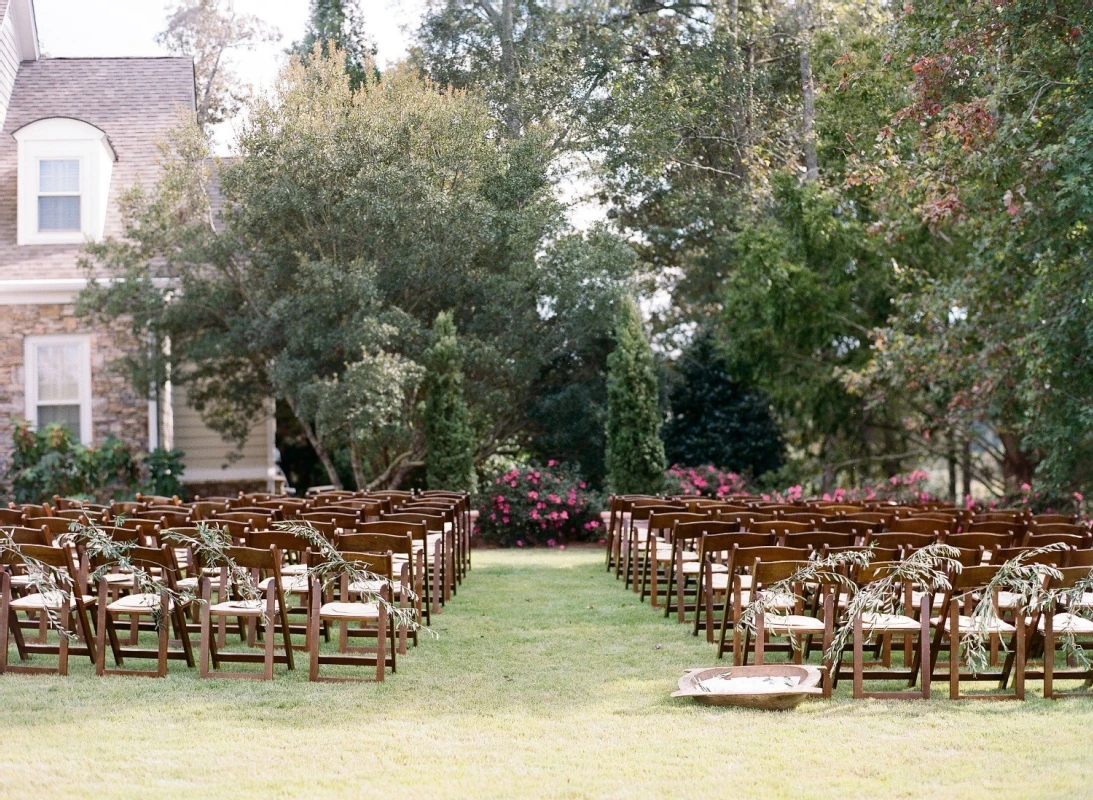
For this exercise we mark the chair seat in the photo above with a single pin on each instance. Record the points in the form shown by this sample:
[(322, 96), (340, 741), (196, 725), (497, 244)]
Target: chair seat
[(295, 584), (872, 621), (1085, 601), (1067, 623), (143, 603), (374, 587), (664, 553), (782, 602), (20, 581), (39, 601), (1008, 600), (349, 611), (241, 608), (964, 625), (294, 569), (693, 567), (916, 599), (792, 623)]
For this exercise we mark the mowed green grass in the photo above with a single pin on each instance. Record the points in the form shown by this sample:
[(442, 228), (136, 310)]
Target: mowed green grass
[(548, 680)]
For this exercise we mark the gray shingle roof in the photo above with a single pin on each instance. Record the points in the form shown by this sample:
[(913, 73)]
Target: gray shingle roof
[(135, 101)]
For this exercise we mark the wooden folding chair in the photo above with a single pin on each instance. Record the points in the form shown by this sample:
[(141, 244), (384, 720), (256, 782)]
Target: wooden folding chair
[(638, 540), (160, 606), (403, 553), (66, 604), (741, 559), (270, 609), (426, 581), (794, 626), (881, 624), (345, 610), (661, 551), (965, 590), (435, 532), (715, 548)]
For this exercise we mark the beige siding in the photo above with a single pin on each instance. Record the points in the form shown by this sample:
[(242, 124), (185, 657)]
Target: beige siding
[(9, 62), (207, 455)]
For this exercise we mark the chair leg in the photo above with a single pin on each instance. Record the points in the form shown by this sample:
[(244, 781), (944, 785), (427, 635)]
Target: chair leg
[(5, 619), (271, 638), (164, 631), (859, 660), (954, 650), (62, 647), (206, 632), (1019, 675), (313, 636), (381, 646), (925, 657), (100, 633), (1049, 655)]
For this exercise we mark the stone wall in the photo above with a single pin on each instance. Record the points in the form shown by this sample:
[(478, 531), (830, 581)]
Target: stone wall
[(116, 408)]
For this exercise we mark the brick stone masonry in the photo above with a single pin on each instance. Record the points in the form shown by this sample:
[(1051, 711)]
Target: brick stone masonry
[(116, 407)]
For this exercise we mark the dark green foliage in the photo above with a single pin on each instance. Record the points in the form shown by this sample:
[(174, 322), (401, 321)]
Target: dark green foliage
[(717, 420), (449, 438), (48, 462), (635, 452), (338, 24), (165, 468)]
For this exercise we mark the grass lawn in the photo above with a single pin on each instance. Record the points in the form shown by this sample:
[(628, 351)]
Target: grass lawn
[(548, 680)]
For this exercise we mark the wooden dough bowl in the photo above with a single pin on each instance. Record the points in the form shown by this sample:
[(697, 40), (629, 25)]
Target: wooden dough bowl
[(778, 700)]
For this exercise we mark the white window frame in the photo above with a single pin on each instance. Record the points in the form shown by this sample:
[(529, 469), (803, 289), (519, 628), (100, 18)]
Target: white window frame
[(30, 378), (81, 192), (63, 139)]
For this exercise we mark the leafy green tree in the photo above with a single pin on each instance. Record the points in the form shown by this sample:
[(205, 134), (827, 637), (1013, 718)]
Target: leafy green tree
[(449, 439), (351, 218), (338, 25), (716, 420), (635, 452)]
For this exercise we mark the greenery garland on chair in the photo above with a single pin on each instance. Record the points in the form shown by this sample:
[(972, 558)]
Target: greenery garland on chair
[(51, 583), (98, 544), (333, 565)]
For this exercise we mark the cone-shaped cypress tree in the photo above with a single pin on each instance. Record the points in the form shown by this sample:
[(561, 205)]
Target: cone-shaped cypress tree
[(635, 452), (449, 439)]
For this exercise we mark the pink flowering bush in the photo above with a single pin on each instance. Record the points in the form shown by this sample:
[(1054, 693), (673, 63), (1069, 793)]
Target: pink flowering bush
[(910, 488), (546, 506), (707, 481)]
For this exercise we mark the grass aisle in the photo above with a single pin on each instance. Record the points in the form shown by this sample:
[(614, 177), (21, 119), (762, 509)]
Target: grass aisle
[(548, 680)]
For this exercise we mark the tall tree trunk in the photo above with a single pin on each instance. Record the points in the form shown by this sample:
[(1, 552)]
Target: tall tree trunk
[(951, 458), (966, 468), (827, 482), (355, 457), (317, 446), (503, 25), (808, 90), (1018, 466)]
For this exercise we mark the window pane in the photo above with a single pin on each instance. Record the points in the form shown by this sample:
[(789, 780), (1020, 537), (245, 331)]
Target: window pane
[(59, 177), (59, 213), (65, 415), (59, 373)]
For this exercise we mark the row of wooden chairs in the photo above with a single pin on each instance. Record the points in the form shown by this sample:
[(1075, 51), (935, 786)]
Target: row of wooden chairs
[(716, 562), (419, 549)]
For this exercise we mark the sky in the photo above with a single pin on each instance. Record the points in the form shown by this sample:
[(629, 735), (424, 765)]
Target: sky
[(129, 28)]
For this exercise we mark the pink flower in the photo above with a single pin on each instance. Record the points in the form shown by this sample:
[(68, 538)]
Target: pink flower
[(1025, 487), (534, 514), (551, 543), (519, 542), (540, 504), (553, 498), (562, 546), (552, 515), (533, 495), (505, 520), (551, 462), (563, 514), (1079, 497), (493, 517), (583, 485)]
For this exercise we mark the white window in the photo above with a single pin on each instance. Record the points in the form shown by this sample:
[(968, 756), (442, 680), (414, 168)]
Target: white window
[(58, 194), (64, 181), (58, 383)]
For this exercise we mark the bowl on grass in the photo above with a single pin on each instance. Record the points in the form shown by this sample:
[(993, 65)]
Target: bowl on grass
[(771, 687)]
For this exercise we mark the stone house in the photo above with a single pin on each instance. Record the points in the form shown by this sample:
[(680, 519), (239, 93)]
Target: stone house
[(75, 133)]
